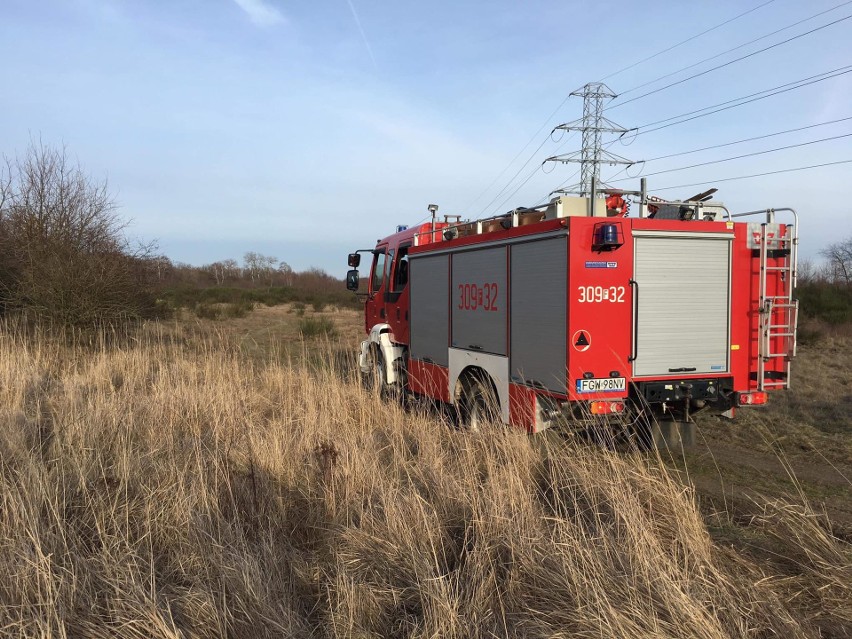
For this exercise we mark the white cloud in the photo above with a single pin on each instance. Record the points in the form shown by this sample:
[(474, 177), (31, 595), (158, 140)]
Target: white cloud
[(261, 13)]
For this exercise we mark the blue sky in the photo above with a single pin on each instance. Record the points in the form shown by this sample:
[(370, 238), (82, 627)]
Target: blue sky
[(306, 129)]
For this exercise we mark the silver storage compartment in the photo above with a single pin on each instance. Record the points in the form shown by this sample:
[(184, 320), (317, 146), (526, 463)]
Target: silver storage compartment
[(683, 313), (539, 313), (429, 282), (480, 301)]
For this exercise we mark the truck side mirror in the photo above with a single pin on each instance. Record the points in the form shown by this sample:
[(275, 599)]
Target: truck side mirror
[(354, 260), (352, 278)]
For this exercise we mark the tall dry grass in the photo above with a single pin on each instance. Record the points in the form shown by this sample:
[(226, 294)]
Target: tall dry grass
[(170, 487)]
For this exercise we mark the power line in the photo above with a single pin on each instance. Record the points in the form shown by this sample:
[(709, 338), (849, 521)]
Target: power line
[(687, 40), (746, 177), (730, 104), (719, 55), (565, 100), (757, 137), (612, 179), (512, 161), (518, 188), (750, 95), (784, 88), (730, 62), (517, 173), (559, 188), (745, 155)]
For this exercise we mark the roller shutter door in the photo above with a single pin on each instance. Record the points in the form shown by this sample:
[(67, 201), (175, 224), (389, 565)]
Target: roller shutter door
[(480, 300), (684, 305), (539, 309), (429, 282)]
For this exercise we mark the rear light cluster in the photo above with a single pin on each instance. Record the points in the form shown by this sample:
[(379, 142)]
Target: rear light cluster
[(751, 399), (607, 408)]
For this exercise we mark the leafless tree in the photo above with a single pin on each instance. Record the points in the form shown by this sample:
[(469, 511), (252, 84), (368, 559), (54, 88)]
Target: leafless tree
[(839, 256), (217, 269), (161, 267), (230, 269), (65, 255), (807, 271), (286, 273), (260, 267), (251, 264)]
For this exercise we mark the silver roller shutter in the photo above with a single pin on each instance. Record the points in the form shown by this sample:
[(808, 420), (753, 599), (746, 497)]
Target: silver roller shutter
[(480, 300), (539, 309), (684, 304), (429, 281)]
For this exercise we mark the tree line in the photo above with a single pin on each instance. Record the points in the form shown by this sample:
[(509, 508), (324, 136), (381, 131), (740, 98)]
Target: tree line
[(66, 260), (836, 269), (256, 271), (825, 288)]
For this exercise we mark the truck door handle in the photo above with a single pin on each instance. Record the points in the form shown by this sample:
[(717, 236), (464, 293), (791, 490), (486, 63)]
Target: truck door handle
[(634, 346)]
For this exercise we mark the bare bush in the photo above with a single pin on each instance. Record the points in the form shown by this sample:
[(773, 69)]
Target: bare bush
[(64, 254)]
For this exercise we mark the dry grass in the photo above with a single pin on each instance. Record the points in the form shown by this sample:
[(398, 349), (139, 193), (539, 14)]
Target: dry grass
[(815, 417), (174, 487)]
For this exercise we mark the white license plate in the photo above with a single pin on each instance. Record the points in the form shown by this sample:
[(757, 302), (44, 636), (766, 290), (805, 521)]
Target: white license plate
[(601, 385)]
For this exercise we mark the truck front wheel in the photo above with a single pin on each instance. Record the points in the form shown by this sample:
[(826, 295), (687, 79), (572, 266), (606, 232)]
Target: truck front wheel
[(374, 378), (478, 402)]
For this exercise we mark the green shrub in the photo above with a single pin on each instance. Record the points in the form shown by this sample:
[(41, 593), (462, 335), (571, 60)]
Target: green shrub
[(317, 327), (215, 311), (830, 303), (237, 309), (205, 310)]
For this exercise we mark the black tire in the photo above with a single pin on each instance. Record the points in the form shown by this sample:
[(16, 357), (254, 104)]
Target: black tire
[(479, 405), (374, 380)]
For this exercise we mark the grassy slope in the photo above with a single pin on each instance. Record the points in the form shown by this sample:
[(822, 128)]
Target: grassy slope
[(232, 483)]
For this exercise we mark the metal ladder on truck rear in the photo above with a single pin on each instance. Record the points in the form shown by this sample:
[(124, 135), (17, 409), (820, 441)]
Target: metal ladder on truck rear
[(779, 313)]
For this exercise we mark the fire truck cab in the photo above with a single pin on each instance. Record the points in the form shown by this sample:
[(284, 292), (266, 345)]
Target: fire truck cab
[(574, 310)]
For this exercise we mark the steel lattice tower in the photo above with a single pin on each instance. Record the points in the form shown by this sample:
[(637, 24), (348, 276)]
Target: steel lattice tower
[(592, 125)]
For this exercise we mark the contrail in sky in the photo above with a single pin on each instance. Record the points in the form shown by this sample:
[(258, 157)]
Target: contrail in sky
[(363, 35)]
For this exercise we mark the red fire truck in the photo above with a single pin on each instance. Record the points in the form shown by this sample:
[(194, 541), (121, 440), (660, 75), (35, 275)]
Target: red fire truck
[(577, 309)]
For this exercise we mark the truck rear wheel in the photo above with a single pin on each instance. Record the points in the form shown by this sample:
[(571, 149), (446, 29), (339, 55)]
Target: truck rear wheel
[(478, 403), (640, 427)]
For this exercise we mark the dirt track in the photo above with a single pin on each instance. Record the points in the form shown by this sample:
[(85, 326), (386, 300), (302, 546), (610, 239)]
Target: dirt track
[(797, 448), (730, 478)]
